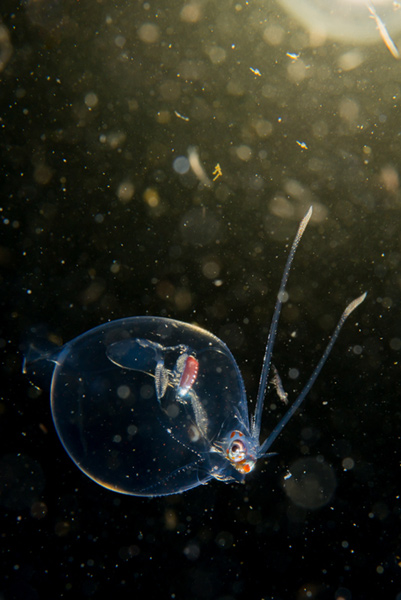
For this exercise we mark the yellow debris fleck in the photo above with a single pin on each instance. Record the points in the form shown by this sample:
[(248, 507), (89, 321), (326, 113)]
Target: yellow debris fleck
[(180, 116), (217, 172)]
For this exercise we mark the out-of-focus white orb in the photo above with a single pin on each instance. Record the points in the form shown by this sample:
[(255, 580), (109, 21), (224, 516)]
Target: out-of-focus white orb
[(345, 20)]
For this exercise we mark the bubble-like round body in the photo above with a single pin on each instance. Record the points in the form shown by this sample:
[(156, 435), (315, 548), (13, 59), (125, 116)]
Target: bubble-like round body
[(129, 422)]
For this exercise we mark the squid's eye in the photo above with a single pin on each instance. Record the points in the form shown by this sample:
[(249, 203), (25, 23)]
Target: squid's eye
[(237, 451)]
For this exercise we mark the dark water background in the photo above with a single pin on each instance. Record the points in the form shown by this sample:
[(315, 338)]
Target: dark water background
[(97, 224)]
